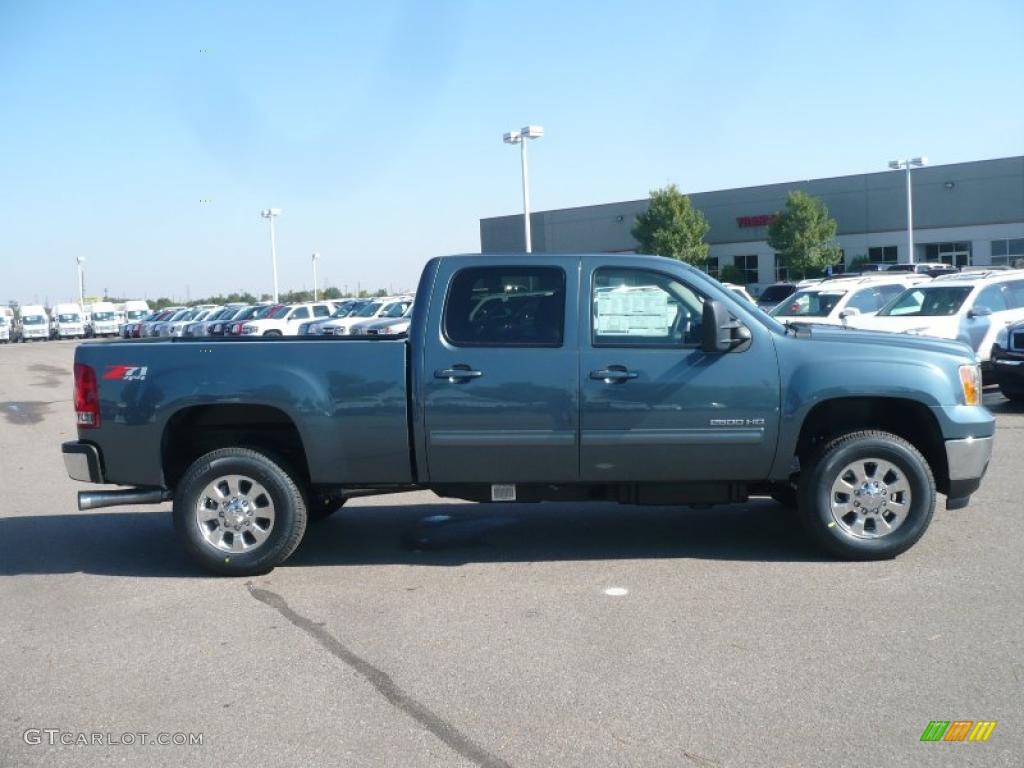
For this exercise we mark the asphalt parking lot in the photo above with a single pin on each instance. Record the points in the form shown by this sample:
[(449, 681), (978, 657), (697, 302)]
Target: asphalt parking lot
[(412, 631)]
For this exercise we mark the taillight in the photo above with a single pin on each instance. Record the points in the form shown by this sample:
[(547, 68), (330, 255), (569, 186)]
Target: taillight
[(87, 397)]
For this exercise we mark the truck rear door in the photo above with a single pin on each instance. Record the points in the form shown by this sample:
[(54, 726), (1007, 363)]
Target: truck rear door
[(500, 380), (654, 407)]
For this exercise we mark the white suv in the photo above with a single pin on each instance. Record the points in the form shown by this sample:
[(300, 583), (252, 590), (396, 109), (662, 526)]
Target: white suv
[(286, 319), (971, 307), (835, 302)]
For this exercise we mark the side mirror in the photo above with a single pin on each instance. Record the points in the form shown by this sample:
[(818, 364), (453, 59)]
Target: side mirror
[(849, 312), (719, 332), (979, 312)]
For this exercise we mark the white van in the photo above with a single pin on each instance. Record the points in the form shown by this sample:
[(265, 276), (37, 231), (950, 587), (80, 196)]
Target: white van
[(7, 325), (135, 310), (68, 321), (35, 323), (102, 318)]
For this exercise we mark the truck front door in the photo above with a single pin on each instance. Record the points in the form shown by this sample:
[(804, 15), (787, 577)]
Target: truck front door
[(500, 378), (654, 406)]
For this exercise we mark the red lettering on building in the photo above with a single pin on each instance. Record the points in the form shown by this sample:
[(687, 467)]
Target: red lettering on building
[(761, 220)]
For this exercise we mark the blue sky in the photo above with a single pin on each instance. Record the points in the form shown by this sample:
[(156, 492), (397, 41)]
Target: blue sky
[(376, 127)]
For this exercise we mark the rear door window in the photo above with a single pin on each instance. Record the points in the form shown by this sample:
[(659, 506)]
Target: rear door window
[(506, 306)]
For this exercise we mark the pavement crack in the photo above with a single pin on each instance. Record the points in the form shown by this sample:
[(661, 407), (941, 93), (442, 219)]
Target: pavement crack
[(382, 681)]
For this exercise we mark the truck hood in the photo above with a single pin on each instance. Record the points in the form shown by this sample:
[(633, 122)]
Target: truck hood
[(889, 339)]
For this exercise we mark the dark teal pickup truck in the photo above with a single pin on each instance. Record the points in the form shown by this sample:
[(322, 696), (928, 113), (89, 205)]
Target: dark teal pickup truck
[(529, 378)]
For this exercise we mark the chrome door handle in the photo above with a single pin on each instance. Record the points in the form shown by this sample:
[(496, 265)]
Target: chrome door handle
[(613, 374), (457, 374)]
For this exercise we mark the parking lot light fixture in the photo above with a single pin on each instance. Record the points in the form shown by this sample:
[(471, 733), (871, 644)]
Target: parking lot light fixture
[(316, 258), (521, 137), (81, 280), (270, 214), (896, 165)]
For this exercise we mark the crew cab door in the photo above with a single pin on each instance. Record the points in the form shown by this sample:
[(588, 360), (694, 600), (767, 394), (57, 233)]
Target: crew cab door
[(654, 406), (500, 378)]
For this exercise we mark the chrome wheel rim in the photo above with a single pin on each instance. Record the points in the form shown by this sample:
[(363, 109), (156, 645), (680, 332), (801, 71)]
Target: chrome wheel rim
[(235, 514), (870, 498)]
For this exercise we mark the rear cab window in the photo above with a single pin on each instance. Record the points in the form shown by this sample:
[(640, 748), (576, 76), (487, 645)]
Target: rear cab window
[(506, 307)]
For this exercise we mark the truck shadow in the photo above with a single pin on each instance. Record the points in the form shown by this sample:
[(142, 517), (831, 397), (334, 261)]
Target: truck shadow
[(143, 544)]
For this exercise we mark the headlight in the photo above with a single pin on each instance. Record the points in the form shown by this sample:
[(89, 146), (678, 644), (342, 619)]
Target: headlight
[(970, 382), (1003, 337)]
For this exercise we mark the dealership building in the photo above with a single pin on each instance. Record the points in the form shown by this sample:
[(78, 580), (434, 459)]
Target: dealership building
[(967, 214)]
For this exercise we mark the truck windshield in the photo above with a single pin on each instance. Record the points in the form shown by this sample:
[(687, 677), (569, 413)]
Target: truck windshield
[(68, 318), (808, 304), (343, 311), (136, 314), (102, 316), (934, 301), (775, 293), (398, 309), (33, 319), (369, 310), (278, 313)]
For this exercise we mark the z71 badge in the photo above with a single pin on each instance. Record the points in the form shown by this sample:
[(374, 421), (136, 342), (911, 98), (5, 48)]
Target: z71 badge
[(126, 373)]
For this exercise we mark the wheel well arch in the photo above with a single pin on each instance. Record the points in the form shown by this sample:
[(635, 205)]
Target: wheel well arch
[(196, 430), (909, 419)]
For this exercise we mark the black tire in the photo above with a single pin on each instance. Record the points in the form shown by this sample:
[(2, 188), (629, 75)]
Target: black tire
[(786, 495), (272, 333), (289, 511), (320, 506), (815, 494), (1013, 395)]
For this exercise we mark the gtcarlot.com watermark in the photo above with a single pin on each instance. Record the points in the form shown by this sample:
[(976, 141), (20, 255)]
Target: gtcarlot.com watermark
[(54, 737)]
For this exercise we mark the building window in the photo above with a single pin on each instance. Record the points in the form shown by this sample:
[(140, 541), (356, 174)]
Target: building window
[(957, 254), (781, 271), (1007, 251), (711, 266), (883, 254), (748, 266)]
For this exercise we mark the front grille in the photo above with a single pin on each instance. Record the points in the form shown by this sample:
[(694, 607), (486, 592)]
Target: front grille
[(1017, 341)]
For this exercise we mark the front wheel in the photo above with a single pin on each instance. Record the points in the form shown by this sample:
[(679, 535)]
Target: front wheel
[(272, 333), (238, 512), (867, 495)]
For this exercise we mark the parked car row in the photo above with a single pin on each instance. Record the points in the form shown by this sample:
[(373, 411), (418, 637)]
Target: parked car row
[(974, 306), (339, 317)]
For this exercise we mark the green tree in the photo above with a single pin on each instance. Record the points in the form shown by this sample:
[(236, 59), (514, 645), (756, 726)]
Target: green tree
[(672, 227), (803, 234), (730, 273)]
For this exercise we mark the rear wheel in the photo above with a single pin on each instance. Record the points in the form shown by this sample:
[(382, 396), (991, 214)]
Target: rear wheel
[(867, 496), (239, 512), (272, 333)]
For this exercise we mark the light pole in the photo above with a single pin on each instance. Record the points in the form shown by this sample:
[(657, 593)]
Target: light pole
[(316, 258), (81, 280), (269, 214), (520, 137), (897, 165)]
